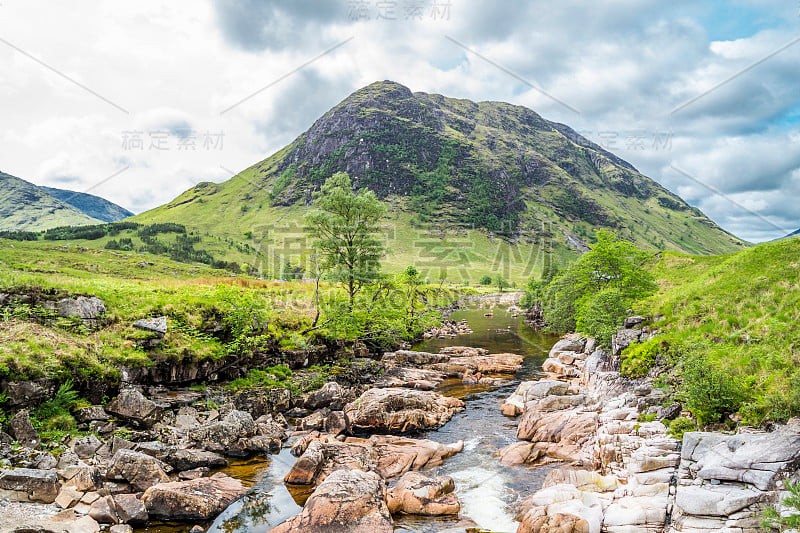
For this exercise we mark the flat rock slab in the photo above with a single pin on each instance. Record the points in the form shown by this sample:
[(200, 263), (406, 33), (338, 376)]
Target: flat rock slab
[(28, 484), (155, 325), (196, 499)]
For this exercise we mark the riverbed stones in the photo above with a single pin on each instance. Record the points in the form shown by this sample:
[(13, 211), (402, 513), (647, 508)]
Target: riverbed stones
[(22, 429), (418, 494), (131, 405), (389, 456), (348, 501), (28, 484), (196, 499), (398, 410)]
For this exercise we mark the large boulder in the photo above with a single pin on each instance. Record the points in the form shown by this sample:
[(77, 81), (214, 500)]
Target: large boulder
[(348, 501), (228, 435), (532, 390), (419, 494), (563, 509), (568, 345), (133, 406), (22, 429), (388, 456), (139, 469), (28, 484), (189, 459), (195, 499), (86, 308), (397, 410)]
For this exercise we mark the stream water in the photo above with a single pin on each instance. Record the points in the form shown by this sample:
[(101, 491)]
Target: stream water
[(486, 489)]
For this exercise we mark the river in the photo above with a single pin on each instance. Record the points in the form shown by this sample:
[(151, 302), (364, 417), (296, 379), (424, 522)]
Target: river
[(487, 490)]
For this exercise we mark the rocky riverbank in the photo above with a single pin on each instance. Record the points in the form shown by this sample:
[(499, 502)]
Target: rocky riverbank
[(622, 473)]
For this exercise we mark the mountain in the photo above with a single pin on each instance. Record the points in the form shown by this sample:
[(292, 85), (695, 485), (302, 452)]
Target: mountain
[(475, 187), (26, 207), (792, 234), (92, 205)]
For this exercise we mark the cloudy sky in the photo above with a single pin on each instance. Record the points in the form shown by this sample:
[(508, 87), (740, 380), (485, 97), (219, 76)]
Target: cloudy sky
[(138, 101)]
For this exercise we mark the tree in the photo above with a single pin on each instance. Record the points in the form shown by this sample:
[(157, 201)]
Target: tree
[(594, 292), (345, 225), (485, 280), (502, 283)]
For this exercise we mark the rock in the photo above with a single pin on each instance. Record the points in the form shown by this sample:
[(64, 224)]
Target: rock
[(21, 428), (225, 435), (406, 357), (518, 453), (21, 393), (419, 494), (130, 509), (389, 456), (27, 484), (86, 447), (190, 459), (120, 528), (85, 524), (5, 438), (556, 367), (532, 390), (561, 508), (569, 431), (632, 321), (155, 325), (85, 308), (348, 501), (196, 499), (195, 473), (330, 395), (568, 345), (133, 406), (89, 414), (186, 422), (400, 410), (81, 477), (104, 511), (68, 497), (670, 412), (624, 338), (413, 378), (197, 529), (139, 469)]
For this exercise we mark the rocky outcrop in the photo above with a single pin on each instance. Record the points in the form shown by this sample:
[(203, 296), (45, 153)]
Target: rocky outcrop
[(388, 456), (399, 410), (140, 470), (528, 391), (418, 494), (22, 429), (196, 499), (348, 501)]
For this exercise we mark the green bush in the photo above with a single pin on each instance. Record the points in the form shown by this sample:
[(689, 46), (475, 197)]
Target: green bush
[(485, 280), (709, 391), (638, 359), (681, 425), (772, 519)]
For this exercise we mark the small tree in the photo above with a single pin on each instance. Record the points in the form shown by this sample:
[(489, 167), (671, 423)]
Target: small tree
[(485, 280), (345, 225), (502, 283)]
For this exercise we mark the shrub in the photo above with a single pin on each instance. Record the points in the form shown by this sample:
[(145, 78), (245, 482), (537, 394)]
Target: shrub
[(638, 359), (709, 391), (681, 425), (774, 520), (485, 280)]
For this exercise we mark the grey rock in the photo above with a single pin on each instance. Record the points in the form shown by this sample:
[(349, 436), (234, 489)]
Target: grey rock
[(130, 509), (670, 412), (133, 406), (86, 447), (88, 414), (568, 345), (632, 321), (156, 325), (22, 393), (140, 470), (27, 484), (22, 430), (85, 308)]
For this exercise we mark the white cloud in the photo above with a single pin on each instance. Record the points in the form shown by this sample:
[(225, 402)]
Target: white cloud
[(178, 65)]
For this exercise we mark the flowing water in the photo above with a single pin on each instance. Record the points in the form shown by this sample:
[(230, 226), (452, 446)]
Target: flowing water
[(487, 490)]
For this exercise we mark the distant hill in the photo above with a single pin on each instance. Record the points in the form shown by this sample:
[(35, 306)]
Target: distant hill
[(485, 182), (92, 205), (27, 207), (792, 234)]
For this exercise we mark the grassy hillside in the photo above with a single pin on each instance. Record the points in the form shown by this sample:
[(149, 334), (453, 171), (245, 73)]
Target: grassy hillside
[(212, 315), (730, 341), (474, 188), (26, 207)]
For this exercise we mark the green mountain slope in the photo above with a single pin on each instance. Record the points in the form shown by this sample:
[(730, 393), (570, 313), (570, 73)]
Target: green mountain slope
[(475, 188), (92, 205), (26, 207)]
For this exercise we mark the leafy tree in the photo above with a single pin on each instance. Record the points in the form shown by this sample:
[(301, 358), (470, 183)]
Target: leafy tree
[(345, 225), (502, 283), (485, 280), (593, 293)]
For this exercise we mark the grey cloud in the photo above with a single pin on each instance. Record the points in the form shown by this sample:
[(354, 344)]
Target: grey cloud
[(256, 25)]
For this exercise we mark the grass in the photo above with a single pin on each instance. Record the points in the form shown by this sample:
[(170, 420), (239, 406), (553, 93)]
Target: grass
[(735, 318)]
